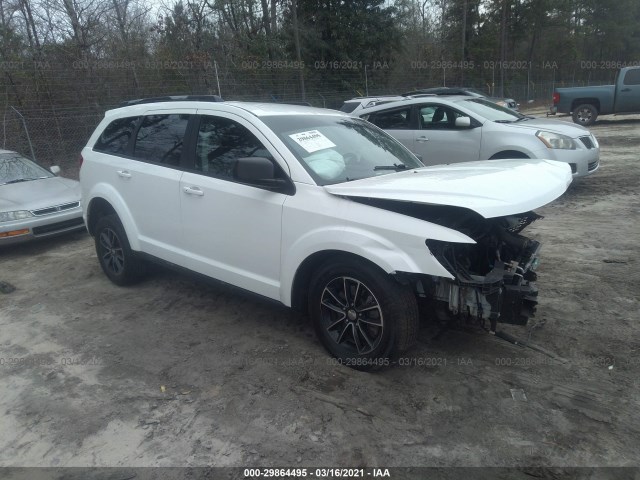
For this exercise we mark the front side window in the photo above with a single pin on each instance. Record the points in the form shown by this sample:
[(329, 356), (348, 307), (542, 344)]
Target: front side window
[(336, 149), (397, 119), (438, 117), (160, 138), (115, 138), (221, 142)]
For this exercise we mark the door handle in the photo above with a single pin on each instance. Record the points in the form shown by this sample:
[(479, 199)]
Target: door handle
[(124, 174), (193, 191), (422, 139), (625, 90)]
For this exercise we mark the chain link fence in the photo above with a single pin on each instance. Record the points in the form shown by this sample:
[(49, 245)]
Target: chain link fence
[(50, 110)]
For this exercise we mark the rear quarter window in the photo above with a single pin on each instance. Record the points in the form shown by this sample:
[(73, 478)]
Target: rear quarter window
[(116, 136), (348, 107)]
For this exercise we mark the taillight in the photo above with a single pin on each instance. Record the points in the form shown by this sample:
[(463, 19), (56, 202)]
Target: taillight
[(556, 98), (80, 160)]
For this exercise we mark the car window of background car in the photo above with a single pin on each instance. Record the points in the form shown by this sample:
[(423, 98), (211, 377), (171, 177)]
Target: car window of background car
[(221, 142), (160, 138), (348, 107), (438, 117), (632, 77), (14, 167), (490, 110), (115, 138), (349, 149), (396, 119)]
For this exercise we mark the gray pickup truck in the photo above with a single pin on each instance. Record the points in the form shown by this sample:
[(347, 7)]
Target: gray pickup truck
[(587, 103)]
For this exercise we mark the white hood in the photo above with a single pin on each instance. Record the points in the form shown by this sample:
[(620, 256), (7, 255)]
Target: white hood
[(492, 188)]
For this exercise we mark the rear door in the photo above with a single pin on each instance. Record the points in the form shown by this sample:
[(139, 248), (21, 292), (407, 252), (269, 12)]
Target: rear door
[(150, 181), (628, 95)]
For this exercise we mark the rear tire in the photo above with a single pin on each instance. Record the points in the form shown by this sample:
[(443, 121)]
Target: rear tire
[(116, 258), (362, 316), (585, 114)]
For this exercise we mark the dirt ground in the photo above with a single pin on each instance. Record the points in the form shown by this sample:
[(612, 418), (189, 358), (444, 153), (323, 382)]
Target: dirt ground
[(176, 372)]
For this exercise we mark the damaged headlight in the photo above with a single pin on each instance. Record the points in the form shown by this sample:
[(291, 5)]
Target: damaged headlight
[(555, 140)]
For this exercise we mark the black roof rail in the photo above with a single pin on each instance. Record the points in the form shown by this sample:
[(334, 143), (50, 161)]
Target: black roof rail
[(173, 98), (417, 95)]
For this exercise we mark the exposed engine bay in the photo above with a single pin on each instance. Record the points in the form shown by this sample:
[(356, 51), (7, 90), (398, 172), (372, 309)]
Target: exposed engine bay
[(494, 279)]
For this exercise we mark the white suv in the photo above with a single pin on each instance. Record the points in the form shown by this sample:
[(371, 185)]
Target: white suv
[(323, 212)]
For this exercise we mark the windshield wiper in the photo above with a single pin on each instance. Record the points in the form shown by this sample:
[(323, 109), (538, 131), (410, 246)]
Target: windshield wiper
[(505, 121), (18, 180), (395, 166)]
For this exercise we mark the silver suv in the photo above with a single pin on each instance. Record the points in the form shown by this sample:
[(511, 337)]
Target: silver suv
[(462, 129)]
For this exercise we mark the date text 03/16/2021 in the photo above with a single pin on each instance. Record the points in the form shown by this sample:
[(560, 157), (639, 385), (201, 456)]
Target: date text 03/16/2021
[(324, 473)]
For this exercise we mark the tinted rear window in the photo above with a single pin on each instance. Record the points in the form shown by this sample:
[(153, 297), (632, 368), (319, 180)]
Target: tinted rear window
[(160, 138), (348, 107), (115, 138)]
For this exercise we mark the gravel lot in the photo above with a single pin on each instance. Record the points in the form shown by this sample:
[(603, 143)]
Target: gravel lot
[(176, 372)]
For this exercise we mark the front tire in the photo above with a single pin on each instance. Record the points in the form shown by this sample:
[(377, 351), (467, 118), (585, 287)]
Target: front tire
[(585, 114), (116, 258), (362, 316)]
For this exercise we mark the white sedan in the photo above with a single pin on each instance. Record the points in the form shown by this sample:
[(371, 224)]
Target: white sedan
[(35, 202)]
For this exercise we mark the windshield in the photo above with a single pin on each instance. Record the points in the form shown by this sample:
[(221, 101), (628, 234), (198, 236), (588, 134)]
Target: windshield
[(14, 169), (490, 110), (338, 149)]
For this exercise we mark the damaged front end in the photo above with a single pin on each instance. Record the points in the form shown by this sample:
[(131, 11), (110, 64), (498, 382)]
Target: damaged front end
[(494, 279)]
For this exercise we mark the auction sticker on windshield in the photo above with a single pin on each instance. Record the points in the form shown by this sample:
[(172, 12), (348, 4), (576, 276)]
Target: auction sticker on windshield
[(312, 141)]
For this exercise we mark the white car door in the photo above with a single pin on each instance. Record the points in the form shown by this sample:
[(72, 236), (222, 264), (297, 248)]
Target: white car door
[(148, 179), (232, 231), (440, 141)]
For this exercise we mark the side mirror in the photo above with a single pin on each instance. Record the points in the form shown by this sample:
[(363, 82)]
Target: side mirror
[(258, 171), (463, 122), (55, 169)]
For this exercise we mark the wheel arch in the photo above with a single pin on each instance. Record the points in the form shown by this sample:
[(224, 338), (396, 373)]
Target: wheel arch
[(105, 200), (509, 154), (304, 273), (98, 208), (586, 100)]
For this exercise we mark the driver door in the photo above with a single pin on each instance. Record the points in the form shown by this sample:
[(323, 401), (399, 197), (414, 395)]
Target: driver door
[(231, 230), (440, 141)]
